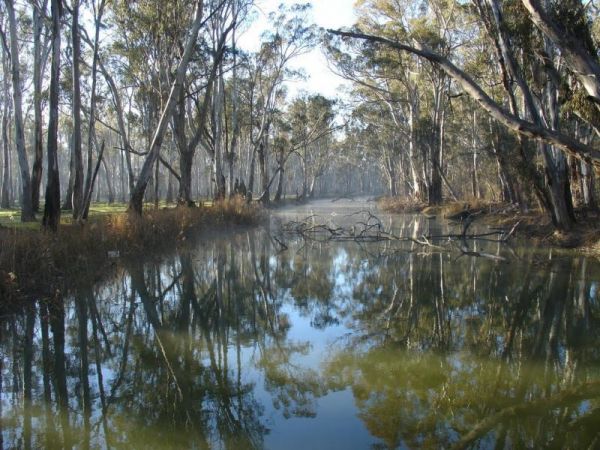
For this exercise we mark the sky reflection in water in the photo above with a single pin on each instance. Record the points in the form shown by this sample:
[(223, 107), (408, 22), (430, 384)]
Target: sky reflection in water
[(238, 344)]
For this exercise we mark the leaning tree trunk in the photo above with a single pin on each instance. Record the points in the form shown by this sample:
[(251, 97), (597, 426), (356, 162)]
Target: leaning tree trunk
[(91, 137), (27, 213), (187, 150), (524, 127), (52, 206), (137, 195)]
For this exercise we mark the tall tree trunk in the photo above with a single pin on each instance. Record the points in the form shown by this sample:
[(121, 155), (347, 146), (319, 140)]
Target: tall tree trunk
[(251, 175), (186, 160), (234, 111), (109, 182), (588, 190), (76, 115), (169, 196), (281, 170), (264, 169), (6, 200), (413, 114), (27, 213), (123, 194), (87, 200), (220, 191), (280, 182), (92, 141), (36, 175), (435, 182), (68, 201), (475, 187), (52, 206), (555, 161), (156, 184)]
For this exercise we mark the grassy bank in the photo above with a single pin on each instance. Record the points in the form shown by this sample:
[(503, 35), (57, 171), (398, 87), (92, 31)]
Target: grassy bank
[(35, 264), (533, 224)]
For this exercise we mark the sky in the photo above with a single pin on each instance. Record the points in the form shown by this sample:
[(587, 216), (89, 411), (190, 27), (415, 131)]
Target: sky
[(326, 14)]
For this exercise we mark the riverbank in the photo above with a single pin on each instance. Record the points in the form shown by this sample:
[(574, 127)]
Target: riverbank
[(534, 224), (39, 265)]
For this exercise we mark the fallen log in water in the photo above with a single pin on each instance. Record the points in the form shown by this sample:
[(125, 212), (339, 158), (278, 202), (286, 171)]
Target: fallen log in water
[(368, 228)]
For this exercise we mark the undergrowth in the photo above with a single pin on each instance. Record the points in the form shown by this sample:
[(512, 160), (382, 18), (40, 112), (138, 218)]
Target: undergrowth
[(533, 224), (37, 265)]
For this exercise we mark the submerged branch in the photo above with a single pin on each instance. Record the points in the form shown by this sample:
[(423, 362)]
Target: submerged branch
[(370, 229)]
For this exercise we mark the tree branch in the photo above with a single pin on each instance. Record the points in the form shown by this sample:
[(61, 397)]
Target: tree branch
[(567, 144)]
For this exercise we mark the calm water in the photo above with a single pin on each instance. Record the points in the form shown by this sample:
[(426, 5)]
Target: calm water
[(263, 340)]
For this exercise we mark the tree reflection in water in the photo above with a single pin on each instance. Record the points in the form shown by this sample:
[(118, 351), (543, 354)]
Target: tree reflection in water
[(212, 347)]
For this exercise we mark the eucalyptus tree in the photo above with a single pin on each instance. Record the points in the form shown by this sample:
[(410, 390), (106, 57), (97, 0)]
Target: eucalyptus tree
[(27, 212), (415, 95), (217, 138), (553, 185), (6, 197), (381, 141), (290, 36), (138, 69), (39, 51), (540, 120), (154, 147), (76, 144), (311, 121), (51, 218)]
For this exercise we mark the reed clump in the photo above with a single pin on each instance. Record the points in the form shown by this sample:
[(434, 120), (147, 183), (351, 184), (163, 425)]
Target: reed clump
[(35, 264)]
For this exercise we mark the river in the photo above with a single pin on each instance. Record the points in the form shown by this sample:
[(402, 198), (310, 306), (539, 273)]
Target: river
[(266, 339)]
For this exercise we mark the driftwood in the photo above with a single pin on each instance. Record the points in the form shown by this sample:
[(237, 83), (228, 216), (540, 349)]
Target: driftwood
[(368, 228)]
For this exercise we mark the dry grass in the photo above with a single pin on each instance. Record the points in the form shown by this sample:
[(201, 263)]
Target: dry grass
[(35, 264), (534, 225), (397, 205), (446, 210)]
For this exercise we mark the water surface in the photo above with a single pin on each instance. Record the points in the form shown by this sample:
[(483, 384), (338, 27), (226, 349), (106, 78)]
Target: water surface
[(260, 339)]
